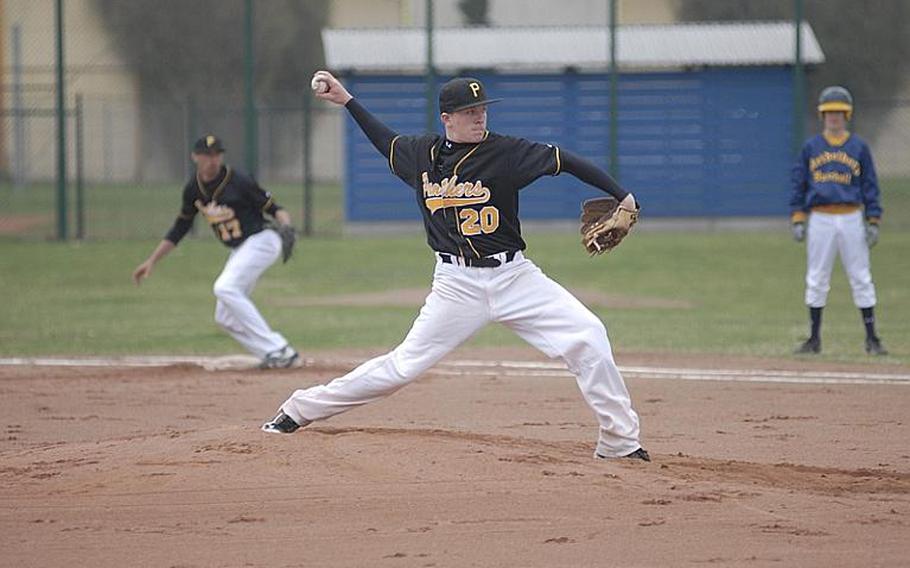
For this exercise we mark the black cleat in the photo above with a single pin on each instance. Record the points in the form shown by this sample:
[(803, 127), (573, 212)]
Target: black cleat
[(639, 454), (811, 345), (281, 424), (874, 346)]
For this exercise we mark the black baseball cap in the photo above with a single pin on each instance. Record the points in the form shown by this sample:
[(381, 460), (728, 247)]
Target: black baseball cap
[(208, 144), (463, 93)]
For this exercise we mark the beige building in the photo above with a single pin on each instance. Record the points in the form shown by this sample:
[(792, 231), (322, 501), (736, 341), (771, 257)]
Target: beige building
[(93, 69), (407, 13)]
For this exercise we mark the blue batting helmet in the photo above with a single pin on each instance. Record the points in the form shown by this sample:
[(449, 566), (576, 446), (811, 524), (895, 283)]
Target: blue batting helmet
[(836, 99)]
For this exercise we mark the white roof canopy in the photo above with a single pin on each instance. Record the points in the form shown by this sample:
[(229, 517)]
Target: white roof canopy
[(556, 48)]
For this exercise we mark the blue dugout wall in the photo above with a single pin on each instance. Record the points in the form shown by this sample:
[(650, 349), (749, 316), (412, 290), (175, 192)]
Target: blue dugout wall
[(707, 143)]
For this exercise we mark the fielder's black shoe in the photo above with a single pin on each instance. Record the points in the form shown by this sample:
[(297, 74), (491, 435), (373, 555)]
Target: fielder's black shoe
[(874, 346), (639, 454), (281, 424), (811, 345)]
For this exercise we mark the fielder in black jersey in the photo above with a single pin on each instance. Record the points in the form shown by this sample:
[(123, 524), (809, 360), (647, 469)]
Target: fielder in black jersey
[(466, 184), (234, 205)]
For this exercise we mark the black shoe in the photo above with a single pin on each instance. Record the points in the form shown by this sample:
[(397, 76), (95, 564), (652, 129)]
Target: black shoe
[(811, 345), (874, 346), (639, 454), (281, 424)]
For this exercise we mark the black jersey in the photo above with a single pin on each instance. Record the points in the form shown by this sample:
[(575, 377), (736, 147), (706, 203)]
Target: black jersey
[(232, 203), (468, 193)]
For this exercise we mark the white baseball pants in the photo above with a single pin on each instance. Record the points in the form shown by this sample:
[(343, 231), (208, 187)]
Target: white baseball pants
[(830, 234), (463, 300), (234, 310)]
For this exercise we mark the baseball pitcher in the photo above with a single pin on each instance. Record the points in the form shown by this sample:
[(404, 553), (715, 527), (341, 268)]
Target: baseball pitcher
[(466, 185), (234, 204)]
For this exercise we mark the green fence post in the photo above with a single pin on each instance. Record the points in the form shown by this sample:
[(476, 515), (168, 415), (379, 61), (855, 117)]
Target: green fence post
[(614, 132), (191, 133), (191, 123), (18, 109), (80, 172), (61, 125), (431, 72), (799, 87), (252, 159), (307, 165)]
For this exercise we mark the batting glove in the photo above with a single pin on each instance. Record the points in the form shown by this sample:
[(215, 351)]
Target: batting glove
[(871, 235), (799, 232)]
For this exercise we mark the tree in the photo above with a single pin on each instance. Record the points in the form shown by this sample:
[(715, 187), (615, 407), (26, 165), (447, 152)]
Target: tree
[(475, 12), (183, 51)]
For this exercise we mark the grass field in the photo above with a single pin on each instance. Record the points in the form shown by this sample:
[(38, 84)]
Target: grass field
[(146, 211), (734, 293), (141, 211), (737, 293)]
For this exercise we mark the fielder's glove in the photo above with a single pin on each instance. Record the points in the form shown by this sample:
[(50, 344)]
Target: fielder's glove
[(871, 234), (799, 231), (605, 222), (288, 239)]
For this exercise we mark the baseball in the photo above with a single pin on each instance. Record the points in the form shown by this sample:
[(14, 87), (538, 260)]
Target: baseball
[(319, 85)]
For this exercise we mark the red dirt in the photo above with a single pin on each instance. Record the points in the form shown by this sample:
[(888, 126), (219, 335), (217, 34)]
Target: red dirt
[(18, 224), (166, 467)]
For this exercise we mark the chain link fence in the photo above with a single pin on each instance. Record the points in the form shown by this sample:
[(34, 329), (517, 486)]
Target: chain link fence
[(128, 145), (145, 78), (888, 121), (132, 177)]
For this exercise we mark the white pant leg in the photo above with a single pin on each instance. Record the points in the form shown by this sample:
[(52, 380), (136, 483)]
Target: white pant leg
[(854, 255), (821, 249), (455, 309), (548, 317), (225, 319), (234, 311)]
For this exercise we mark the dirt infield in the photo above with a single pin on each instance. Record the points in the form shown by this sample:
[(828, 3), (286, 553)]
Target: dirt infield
[(18, 224), (166, 467)]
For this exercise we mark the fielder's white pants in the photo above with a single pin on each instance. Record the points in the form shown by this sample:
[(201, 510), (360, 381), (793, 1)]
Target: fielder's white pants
[(463, 300), (829, 234), (234, 310)]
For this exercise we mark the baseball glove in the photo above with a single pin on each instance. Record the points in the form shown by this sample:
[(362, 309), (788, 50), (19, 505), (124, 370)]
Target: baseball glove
[(288, 239), (605, 222)]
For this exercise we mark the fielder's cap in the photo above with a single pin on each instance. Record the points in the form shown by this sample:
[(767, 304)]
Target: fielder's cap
[(208, 144), (463, 93)]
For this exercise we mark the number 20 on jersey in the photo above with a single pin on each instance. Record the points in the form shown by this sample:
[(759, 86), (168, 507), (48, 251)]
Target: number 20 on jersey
[(474, 222)]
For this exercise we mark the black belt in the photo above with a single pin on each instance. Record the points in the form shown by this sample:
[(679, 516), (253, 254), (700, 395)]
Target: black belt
[(485, 262)]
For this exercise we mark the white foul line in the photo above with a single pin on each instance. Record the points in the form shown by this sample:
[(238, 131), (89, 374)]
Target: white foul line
[(684, 373), (494, 368)]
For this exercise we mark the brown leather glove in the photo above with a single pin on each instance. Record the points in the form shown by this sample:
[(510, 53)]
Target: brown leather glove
[(605, 222)]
